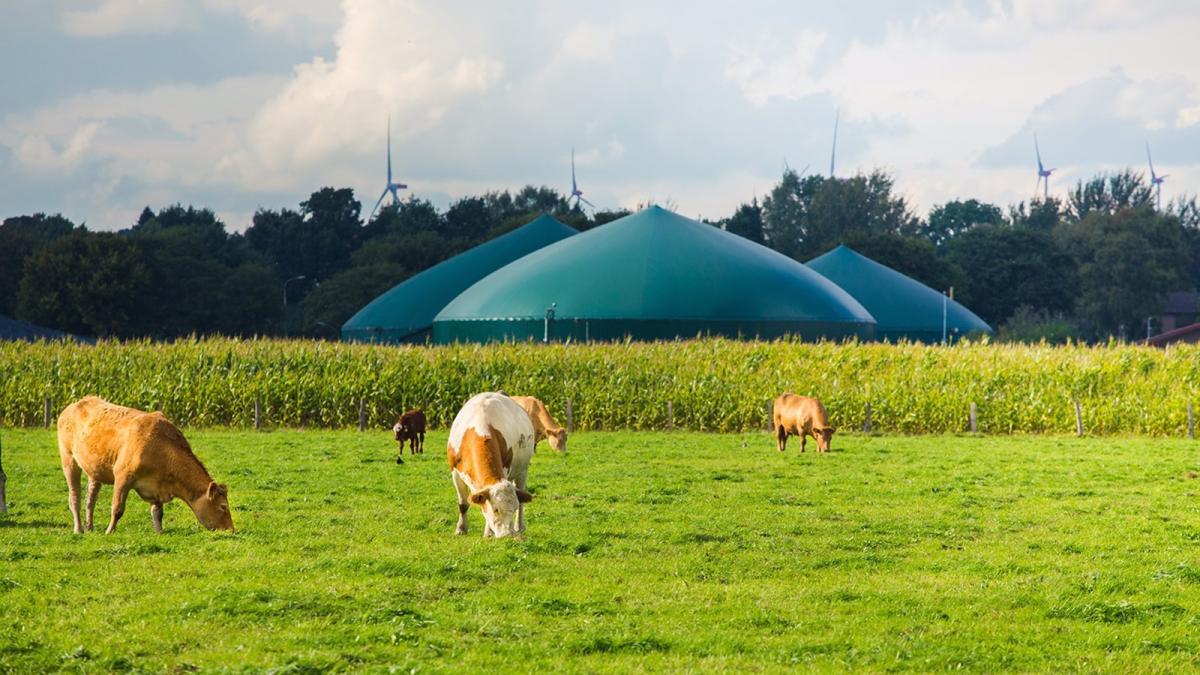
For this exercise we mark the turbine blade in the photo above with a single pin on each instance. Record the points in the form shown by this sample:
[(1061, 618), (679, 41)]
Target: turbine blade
[(377, 203), (588, 203), (833, 153), (1037, 150), (389, 149)]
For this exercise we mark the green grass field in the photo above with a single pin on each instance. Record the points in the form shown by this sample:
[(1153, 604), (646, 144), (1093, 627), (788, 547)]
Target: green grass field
[(645, 551)]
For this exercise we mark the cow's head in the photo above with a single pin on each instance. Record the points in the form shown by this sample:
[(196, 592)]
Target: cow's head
[(212, 508), (500, 503), (557, 439), (398, 431), (824, 436)]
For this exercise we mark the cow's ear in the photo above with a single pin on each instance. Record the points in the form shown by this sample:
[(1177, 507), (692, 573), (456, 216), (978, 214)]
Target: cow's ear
[(523, 496), (831, 430), (215, 490), (478, 498)]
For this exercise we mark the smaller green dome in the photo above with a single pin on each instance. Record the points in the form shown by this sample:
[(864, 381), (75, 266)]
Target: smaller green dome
[(902, 306)]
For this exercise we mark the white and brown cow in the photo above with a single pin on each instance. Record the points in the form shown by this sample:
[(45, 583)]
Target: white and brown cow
[(491, 443)]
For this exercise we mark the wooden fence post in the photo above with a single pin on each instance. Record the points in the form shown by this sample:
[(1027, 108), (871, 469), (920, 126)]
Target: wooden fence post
[(257, 413), (362, 413), (867, 421), (570, 418), (1191, 422), (972, 417), (670, 416), (46, 414), (1078, 419), (3, 484)]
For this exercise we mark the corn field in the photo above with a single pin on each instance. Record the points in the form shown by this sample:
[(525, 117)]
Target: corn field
[(710, 385)]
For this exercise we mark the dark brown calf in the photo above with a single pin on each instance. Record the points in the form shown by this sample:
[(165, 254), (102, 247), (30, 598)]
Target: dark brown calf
[(411, 428)]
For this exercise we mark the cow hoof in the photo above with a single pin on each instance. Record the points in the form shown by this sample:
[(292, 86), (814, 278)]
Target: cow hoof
[(399, 460)]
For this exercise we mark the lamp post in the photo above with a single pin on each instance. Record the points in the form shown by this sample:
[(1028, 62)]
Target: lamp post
[(285, 284), (546, 324)]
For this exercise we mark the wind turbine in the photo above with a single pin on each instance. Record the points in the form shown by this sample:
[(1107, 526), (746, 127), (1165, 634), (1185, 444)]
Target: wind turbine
[(1156, 181), (1043, 172), (575, 191), (392, 186), (833, 154)]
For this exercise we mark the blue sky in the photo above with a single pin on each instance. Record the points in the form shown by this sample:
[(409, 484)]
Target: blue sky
[(112, 105)]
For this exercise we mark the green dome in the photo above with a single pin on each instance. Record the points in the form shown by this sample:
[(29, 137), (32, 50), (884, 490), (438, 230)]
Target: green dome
[(902, 306), (652, 275), (404, 313)]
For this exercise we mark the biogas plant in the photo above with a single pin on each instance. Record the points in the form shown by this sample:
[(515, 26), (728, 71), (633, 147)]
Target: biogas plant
[(654, 275)]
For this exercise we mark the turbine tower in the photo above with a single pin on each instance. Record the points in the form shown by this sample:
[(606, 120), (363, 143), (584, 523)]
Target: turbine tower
[(1043, 173), (833, 154), (392, 186), (1156, 181), (575, 191)]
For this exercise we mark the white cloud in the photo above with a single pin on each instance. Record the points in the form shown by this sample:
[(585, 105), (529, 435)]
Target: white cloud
[(38, 153), (700, 106), (768, 66), (118, 17)]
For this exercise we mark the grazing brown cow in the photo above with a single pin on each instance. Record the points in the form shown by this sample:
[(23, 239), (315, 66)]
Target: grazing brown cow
[(134, 450), (490, 445), (410, 427), (801, 416), (544, 425)]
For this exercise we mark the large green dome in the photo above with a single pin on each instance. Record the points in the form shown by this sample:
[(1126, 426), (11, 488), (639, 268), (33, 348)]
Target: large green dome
[(404, 313), (903, 307), (652, 275)]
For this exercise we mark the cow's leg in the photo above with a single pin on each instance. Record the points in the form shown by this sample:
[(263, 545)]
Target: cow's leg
[(464, 493), (781, 438), (803, 440), (421, 444), (92, 494), (156, 511), (72, 471), (120, 492), (519, 478)]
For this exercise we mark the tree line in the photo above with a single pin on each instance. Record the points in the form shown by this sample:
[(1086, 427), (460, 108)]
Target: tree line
[(1091, 266)]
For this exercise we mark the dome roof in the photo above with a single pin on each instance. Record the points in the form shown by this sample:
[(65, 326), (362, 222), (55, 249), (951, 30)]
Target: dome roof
[(902, 306), (652, 275), (406, 312)]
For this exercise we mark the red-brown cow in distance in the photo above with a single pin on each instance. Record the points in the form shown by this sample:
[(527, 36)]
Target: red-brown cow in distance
[(134, 450), (801, 416), (410, 427)]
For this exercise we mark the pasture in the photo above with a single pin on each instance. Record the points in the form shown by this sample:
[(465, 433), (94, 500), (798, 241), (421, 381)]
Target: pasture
[(645, 550)]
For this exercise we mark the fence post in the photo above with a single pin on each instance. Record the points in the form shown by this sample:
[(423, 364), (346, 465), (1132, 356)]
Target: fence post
[(570, 418), (362, 413), (46, 414), (1191, 422), (1078, 419), (867, 422), (257, 413), (972, 417), (670, 417)]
